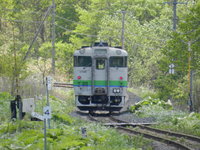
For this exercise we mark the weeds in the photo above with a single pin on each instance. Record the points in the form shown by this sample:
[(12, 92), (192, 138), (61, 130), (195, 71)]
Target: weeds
[(65, 132)]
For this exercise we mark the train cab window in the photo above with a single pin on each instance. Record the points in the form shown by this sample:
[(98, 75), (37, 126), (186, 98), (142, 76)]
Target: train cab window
[(82, 61), (118, 61), (100, 64)]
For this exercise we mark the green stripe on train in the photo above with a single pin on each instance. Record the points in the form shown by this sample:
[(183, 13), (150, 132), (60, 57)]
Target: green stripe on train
[(100, 83)]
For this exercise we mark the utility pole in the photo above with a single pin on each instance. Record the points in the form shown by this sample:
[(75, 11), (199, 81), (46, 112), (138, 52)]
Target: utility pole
[(190, 72), (174, 15), (53, 37), (190, 77), (122, 36), (174, 12)]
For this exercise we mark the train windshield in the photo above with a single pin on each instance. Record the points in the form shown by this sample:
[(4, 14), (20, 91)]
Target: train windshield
[(82, 61), (100, 64), (118, 61)]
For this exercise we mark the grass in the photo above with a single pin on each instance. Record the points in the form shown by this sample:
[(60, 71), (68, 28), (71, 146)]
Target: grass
[(65, 132), (167, 118), (174, 120)]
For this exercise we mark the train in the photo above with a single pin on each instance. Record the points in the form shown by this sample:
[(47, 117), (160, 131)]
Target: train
[(100, 77)]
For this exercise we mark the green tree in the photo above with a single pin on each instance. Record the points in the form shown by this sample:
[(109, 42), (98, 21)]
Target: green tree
[(177, 52)]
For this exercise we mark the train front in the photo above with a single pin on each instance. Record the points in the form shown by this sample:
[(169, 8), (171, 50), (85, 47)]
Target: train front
[(100, 78)]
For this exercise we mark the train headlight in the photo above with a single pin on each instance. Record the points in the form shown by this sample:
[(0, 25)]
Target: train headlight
[(116, 90), (82, 51)]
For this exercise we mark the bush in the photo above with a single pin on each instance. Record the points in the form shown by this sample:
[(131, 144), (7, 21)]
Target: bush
[(150, 102), (5, 99)]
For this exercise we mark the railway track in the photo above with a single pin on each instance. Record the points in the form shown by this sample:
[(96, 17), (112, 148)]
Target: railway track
[(177, 140)]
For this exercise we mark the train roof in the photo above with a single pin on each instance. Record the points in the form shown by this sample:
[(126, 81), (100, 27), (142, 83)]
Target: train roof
[(100, 50)]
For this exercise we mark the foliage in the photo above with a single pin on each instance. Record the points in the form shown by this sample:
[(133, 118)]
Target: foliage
[(171, 119), (63, 118), (65, 133), (148, 102), (178, 52), (5, 99), (166, 117), (144, 92), (186, 123), (149, 40)]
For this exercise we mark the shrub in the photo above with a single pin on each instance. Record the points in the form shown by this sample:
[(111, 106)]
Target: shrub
[(150, 102)]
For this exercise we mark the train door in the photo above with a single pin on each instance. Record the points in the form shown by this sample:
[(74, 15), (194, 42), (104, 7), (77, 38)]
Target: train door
[(100, 78)]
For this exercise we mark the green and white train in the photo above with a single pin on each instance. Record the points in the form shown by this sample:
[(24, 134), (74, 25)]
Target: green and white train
[(100, 78)]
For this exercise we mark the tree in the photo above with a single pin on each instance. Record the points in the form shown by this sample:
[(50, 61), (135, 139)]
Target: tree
[(177, 52)]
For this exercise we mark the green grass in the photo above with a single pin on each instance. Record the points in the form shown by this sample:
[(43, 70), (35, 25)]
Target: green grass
[(168, 118), (65, 132)]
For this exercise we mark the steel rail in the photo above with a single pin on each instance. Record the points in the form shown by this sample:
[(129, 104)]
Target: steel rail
[(169, 133), (143, 126), (180, 135), (161, 139), (146, 135)]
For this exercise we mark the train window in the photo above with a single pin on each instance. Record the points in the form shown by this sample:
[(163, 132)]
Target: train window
[(82, 61), (100, 63), (118, 61)]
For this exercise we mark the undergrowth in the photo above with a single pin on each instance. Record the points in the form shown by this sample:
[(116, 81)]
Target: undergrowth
[(167, 117), (65, 131)]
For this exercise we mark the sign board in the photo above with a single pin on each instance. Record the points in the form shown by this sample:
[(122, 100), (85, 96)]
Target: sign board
[(48, 82), (171, 69), (36, 115), (47, 112), (171, 66)]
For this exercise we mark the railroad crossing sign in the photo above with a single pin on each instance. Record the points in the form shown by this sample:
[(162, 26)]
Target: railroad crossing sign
[(171, 69)]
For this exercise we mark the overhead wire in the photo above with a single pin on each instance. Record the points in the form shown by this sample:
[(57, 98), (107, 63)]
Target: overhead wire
[(105, 28), (17, 10), (75, 32), (84, 25), (77, 22), (94, 27), (28, 21), (140, 45), (89, 35)]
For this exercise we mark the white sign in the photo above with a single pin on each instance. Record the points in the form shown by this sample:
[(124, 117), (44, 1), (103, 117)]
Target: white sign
[(36, 115), (171, 71), (47, 112), (48, 80), (171, 66)]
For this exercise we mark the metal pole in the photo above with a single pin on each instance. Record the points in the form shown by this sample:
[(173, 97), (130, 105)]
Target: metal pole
[(190, 77), (191, 93), (45, 135), (48, 104), (174, 15), (53, 37), (123, 20), (174, 12)]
